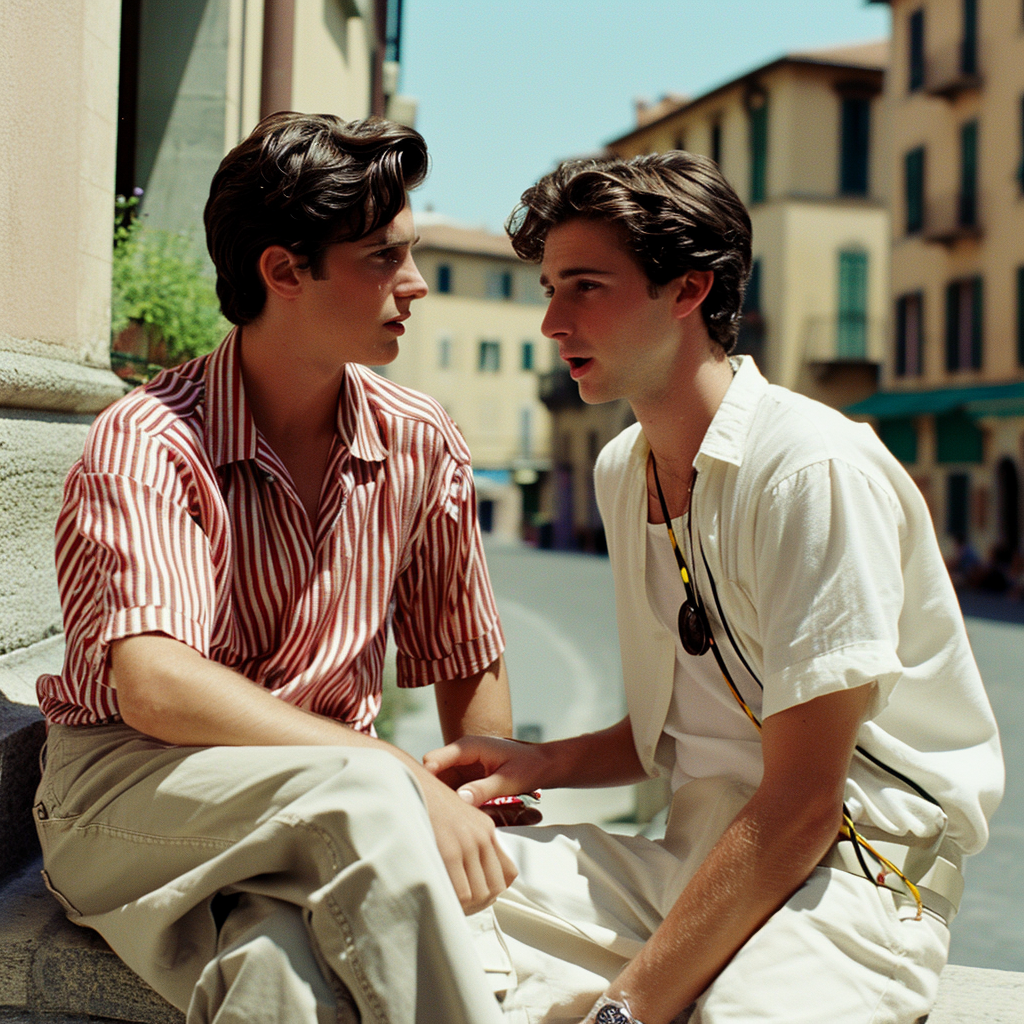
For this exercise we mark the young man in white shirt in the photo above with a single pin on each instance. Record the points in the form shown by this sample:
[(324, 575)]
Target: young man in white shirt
[(793, 654)]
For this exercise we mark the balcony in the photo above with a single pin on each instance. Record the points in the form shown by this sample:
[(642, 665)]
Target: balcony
[(952, 71), (950, 218), (843, 340), (557, 390)]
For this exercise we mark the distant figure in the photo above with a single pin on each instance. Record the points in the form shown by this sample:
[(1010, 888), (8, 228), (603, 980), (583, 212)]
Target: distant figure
[(234, 545), (964, 562), (794, 658)]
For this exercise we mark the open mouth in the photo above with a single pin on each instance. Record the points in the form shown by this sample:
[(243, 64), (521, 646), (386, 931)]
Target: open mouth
[(577, 364)]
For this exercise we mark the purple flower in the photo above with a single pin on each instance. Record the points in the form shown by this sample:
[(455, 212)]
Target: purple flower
[(137, 192)]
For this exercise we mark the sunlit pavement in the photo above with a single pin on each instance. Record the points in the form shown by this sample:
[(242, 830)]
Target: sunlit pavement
[(558, 613)]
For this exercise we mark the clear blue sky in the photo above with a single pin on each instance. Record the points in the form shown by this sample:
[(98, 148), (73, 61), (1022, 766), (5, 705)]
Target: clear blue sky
[(506, 89)]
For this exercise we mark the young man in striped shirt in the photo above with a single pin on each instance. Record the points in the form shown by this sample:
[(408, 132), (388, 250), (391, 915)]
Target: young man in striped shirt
[(233, 546)]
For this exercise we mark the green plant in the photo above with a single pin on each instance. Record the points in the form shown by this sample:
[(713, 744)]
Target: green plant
[(158, 281)]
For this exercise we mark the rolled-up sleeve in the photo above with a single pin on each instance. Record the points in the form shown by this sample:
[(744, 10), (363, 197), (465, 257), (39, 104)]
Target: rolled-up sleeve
[(829, 585), (446, 620)]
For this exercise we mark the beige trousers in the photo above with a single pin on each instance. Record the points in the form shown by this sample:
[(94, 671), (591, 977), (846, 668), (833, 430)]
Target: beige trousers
[(840, 951), (322, 859)]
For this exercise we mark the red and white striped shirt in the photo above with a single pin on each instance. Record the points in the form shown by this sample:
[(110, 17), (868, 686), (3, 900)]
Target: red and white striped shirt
[(180, 519)]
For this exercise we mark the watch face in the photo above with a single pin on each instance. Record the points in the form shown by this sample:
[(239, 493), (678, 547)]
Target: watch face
[(611, 1014)]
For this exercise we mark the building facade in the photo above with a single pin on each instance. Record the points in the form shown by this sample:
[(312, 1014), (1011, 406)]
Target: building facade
[(952, 402), (197, 75), (803, 141), (474, 343)]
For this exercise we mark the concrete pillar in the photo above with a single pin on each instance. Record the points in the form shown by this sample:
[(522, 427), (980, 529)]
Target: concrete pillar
[(58, 114)]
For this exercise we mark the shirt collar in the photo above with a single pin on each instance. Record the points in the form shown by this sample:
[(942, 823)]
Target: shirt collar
[(726, 438), (231, 434)]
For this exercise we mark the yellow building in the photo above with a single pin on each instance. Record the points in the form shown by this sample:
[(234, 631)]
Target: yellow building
[(952, 404), (803, 141), (474, 343)]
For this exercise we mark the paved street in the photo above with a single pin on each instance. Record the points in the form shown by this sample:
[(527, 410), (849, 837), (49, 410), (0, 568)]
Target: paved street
[(558, 613)]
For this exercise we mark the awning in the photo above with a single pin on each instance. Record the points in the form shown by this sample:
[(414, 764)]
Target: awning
[(979, 400)]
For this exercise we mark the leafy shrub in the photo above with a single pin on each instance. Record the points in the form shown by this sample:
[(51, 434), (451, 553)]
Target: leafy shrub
[(158, 281)]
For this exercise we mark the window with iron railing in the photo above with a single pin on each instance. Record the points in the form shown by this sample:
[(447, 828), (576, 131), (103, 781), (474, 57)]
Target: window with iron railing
[(913, 190), (910, 335), (852, 320), (964, 303)]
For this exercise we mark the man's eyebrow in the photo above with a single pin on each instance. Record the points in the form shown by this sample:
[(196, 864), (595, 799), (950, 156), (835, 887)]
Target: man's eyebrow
[(381, 240), (568, 272)]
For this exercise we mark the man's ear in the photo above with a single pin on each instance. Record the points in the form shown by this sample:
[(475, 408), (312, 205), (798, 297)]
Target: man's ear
[(690, 290), (279, 270)]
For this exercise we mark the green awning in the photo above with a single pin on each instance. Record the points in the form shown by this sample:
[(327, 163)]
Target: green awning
[(980, 400)]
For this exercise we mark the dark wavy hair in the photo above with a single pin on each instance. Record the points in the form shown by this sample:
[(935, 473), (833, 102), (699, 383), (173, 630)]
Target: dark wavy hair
[(304, 181), (677, 213)]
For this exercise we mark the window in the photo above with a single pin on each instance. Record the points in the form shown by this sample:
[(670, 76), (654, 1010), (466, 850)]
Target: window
[(910, 335), (499, 284), (967, 212), (758, 147), (444, 353), (964, 324), (969, 45), (1020, 142), (916, 50), (855, 146), (489, 358), (913, 189), (680, 141), (526, 356), (716, 142), (900, 437), (1020, 316), (852, 320), (958, 438), (751, 336), (956, 504), (444, 278)]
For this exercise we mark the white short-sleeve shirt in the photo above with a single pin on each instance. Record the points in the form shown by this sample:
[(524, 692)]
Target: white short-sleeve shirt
[(828, 573)]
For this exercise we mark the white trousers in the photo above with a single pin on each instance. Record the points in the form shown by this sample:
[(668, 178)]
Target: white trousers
[(840, 951), (321, 859)]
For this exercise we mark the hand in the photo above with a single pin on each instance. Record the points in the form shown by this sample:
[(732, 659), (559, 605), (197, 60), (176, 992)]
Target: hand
[(478, 867), (481, 768)]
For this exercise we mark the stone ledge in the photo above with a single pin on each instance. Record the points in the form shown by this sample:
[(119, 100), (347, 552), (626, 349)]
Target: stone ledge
[(36, 382), (52, 972)]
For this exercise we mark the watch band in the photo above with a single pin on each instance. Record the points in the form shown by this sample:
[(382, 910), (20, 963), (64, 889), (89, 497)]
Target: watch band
[(610, 1011)]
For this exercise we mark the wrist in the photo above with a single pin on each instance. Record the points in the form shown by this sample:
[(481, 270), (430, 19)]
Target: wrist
[(610, 1011)]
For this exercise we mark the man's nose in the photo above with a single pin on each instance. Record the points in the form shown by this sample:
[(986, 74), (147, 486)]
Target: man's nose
[(412, 284), (554, 324)]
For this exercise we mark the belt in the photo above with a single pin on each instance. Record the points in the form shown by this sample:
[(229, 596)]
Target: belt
[(938, 880)]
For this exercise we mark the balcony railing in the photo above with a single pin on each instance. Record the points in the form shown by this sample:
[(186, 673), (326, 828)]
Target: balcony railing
[(844, 339), (953, 70), (949, 218), (557, 390)]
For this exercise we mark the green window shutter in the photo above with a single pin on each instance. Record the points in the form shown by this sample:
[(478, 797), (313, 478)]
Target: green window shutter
[(977, 287), (913, 189), (958, 438), (952, 326), (1020, 316), (956, 504), (916, 46), (968, 208), (900, 437), (852, 320), (855, 146), (759, 153), (969, 45)]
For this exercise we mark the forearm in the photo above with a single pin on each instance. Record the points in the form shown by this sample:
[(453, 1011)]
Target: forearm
[(172, 693), (762, 858), (605, 758), (479, 705)]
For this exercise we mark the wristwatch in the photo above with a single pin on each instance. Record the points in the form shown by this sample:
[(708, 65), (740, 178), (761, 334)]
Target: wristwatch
[(611, 1011)]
